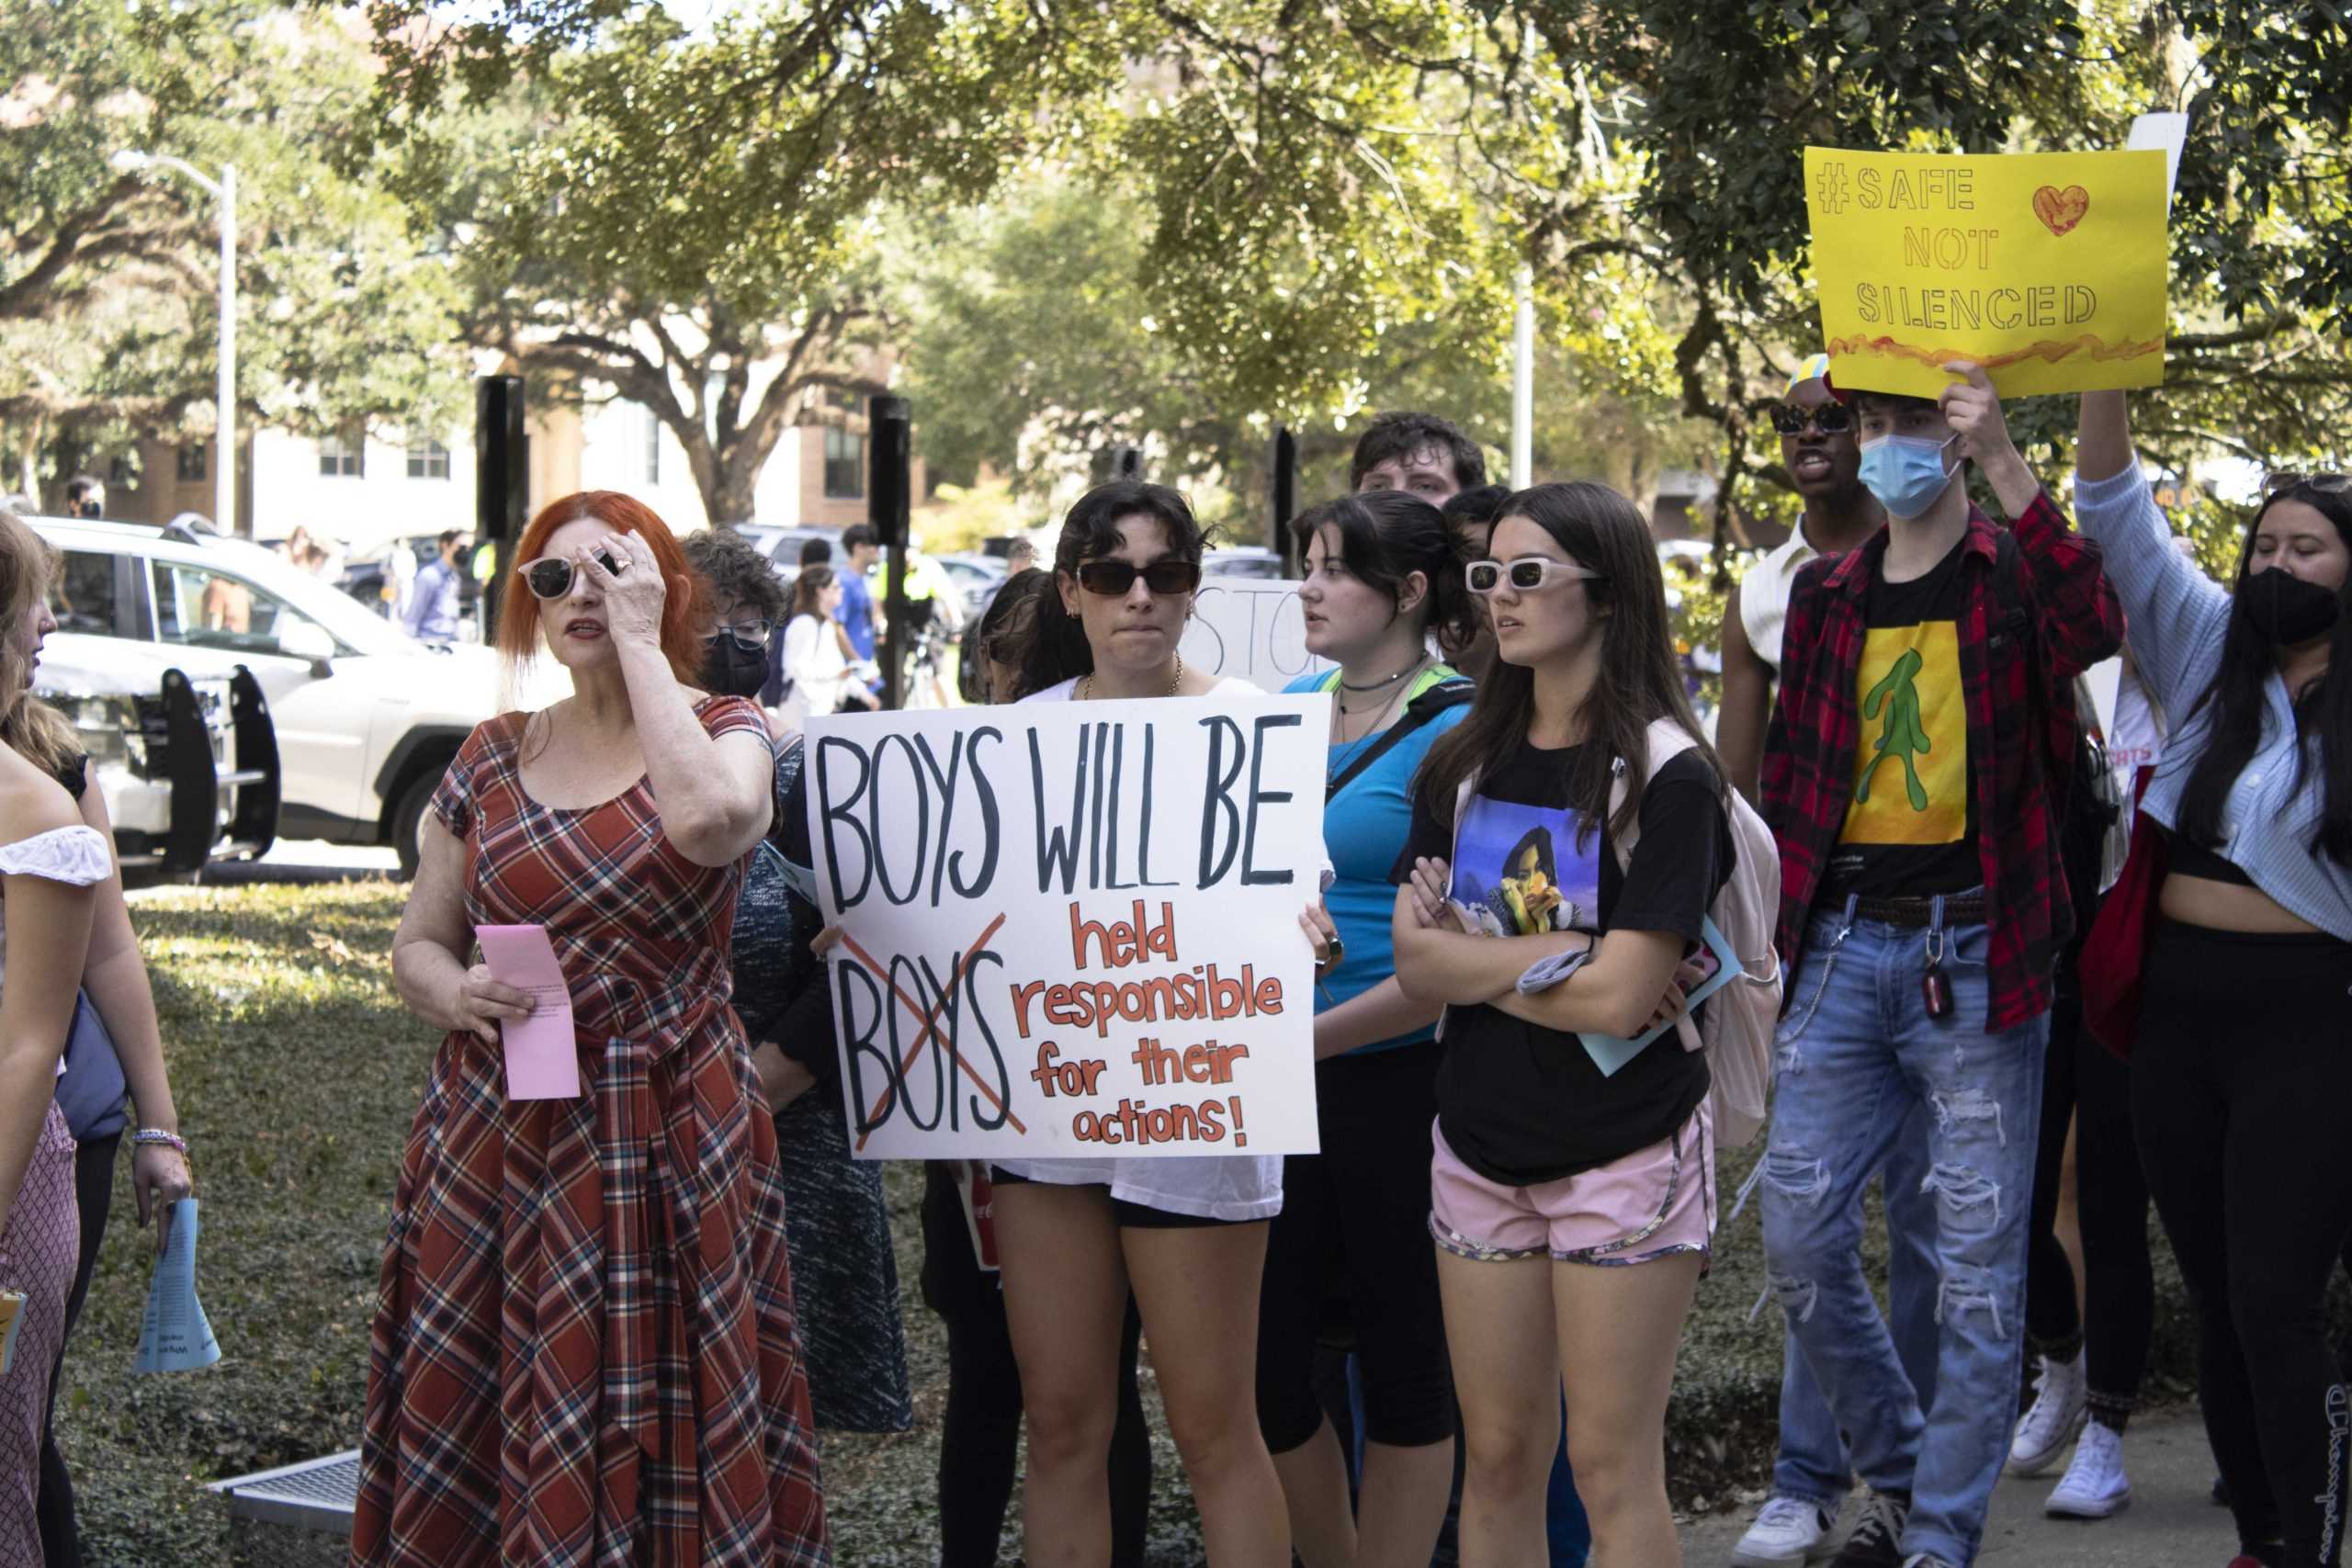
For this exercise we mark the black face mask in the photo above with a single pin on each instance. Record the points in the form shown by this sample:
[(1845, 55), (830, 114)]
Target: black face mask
[(2285, 609), (730, 669)]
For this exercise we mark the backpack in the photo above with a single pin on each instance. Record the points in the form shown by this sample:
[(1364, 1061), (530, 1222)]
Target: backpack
[(1737, 1025)]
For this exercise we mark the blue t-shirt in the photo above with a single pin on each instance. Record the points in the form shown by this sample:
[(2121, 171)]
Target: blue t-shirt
[(1364, 828), (857, 612)]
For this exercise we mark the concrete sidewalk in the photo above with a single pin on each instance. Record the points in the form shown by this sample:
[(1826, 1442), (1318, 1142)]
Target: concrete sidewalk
[(2172, 1522)]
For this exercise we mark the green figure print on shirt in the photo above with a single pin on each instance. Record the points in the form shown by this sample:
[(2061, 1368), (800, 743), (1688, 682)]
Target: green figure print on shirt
[(1901, 737), (1914, 719)]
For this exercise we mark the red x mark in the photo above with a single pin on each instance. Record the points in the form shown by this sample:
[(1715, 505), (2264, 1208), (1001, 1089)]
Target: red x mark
[(930, 1019)]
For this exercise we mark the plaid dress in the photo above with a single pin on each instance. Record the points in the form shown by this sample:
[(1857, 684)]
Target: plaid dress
[(583, 1350)]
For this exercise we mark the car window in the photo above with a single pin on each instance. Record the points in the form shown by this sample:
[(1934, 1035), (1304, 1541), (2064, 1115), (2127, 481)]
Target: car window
[(209, 609), (81, 597)]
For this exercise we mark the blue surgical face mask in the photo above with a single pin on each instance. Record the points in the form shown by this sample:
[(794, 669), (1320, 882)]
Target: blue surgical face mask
[(1905, 472)]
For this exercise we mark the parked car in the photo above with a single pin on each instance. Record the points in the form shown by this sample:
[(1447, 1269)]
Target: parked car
[(188, 768), (976, 578), (367, 718), (1243, 561)]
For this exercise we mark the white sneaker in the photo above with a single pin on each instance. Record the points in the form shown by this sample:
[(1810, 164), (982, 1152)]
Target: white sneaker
[(2057, 1415), (1788, 1533), (2095, 1485)]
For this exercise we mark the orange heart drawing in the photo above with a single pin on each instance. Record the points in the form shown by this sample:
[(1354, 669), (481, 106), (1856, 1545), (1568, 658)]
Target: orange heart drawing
[(2060, 210)]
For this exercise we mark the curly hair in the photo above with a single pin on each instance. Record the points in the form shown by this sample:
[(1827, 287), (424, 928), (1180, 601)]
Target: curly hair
[(733, 569)]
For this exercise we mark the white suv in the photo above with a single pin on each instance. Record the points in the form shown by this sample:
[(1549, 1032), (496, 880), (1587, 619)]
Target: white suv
[(366, 717)]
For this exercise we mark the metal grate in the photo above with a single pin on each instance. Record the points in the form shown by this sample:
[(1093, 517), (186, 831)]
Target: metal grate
[(294, 1517)]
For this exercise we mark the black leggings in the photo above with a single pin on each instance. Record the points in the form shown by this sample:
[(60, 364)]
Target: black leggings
[(60, 1540), (2083, 1080), (2240, 1079), (982, 1423), (1354, 1224)]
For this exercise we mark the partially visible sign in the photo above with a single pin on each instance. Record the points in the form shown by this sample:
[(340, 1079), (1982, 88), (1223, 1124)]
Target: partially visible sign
[(2047, 268), (1251, 628)]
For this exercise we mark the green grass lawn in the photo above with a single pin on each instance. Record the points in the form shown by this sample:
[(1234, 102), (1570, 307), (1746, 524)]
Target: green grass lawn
[(298, 1072)]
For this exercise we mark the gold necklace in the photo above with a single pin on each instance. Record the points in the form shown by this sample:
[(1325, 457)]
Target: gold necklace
[(1086, 685)]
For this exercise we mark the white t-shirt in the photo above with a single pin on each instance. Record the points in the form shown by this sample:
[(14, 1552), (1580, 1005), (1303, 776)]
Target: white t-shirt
[(812, 659), (1207, 1187)]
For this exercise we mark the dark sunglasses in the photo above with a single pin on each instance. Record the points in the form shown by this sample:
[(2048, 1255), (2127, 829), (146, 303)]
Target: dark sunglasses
[(551, 578), (2326, 484), (1830, 419), (1112, 578)]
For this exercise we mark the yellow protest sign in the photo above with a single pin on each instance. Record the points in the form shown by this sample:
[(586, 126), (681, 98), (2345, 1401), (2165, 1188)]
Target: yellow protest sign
[(2047, 268)]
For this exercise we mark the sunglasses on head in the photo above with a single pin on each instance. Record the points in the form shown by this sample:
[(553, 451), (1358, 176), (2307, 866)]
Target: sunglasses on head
[(1528, 574), (1112, 578), (550, 577), (1830, 419), (2326, 484)]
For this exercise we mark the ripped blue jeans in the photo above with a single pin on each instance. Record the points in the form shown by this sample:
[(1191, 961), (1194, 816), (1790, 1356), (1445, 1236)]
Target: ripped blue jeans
[(1859, 1055)]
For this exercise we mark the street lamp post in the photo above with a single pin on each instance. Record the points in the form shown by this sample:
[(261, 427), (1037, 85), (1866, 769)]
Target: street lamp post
[(224, 190)]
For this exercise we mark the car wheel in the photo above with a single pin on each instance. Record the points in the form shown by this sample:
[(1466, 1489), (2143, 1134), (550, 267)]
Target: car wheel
[(408, 822)]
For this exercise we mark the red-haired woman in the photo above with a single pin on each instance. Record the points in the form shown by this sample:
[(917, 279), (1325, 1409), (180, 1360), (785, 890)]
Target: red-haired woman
[(583, 1349)]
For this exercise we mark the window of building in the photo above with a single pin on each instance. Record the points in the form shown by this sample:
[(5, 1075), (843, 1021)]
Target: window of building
[(652, 447), (844, 465), (341, 457), (120, 475), (192, 462), (427, 459)]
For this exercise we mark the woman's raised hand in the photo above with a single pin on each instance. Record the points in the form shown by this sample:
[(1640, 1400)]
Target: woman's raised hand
[(635, 594)]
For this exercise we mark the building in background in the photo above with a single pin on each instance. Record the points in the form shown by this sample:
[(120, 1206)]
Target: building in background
[(362, 488)]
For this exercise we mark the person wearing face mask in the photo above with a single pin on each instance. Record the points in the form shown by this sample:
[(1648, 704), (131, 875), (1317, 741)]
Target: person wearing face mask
[(1811, 1469), (838, 1226), (1923, 739), (2239, 1073)]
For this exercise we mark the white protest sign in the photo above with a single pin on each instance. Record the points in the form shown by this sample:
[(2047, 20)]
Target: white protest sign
[(1249, 628), (1072, 928)]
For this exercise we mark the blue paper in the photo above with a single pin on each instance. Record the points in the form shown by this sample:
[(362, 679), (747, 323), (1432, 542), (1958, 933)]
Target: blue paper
[(1611, 1052), (175, 1337)]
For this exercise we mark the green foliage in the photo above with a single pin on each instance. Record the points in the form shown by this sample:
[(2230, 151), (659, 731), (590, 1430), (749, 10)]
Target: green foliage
[(109, 279)]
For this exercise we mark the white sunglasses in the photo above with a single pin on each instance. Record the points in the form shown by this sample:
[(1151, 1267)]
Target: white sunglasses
[(1528, 574)]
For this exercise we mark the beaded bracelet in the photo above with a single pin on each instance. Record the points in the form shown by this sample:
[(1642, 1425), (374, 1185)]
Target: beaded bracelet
[(157, 1136)]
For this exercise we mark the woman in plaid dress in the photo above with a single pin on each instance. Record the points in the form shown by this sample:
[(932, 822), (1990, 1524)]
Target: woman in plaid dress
[(583, 1350)]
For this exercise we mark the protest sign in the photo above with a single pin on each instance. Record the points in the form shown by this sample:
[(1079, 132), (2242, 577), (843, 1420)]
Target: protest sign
[(1072, 928), (2047, 268), (1249, 628)]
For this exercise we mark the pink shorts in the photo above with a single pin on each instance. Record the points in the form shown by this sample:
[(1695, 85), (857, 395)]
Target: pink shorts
[(1652, 1203)]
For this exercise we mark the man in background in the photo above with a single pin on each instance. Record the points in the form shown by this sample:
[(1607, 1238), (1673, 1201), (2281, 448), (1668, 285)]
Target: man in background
[(86, 497), (433, 611)]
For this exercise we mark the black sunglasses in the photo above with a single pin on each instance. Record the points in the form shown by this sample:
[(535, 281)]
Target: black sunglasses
[(551, 578), (1830, 419), (1112, 578)]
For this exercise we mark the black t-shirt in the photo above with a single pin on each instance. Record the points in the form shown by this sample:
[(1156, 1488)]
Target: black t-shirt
[(1521, 1104), (1910, 826)]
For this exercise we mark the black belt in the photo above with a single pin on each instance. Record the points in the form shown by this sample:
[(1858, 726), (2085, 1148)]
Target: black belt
[(1919, 914)]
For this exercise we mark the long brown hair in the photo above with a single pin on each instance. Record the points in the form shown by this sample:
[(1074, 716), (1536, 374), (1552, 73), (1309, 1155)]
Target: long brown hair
[(1639, 681), (29, 727)]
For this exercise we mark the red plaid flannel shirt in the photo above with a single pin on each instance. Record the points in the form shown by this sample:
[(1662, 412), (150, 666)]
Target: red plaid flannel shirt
[(2022, 731)]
